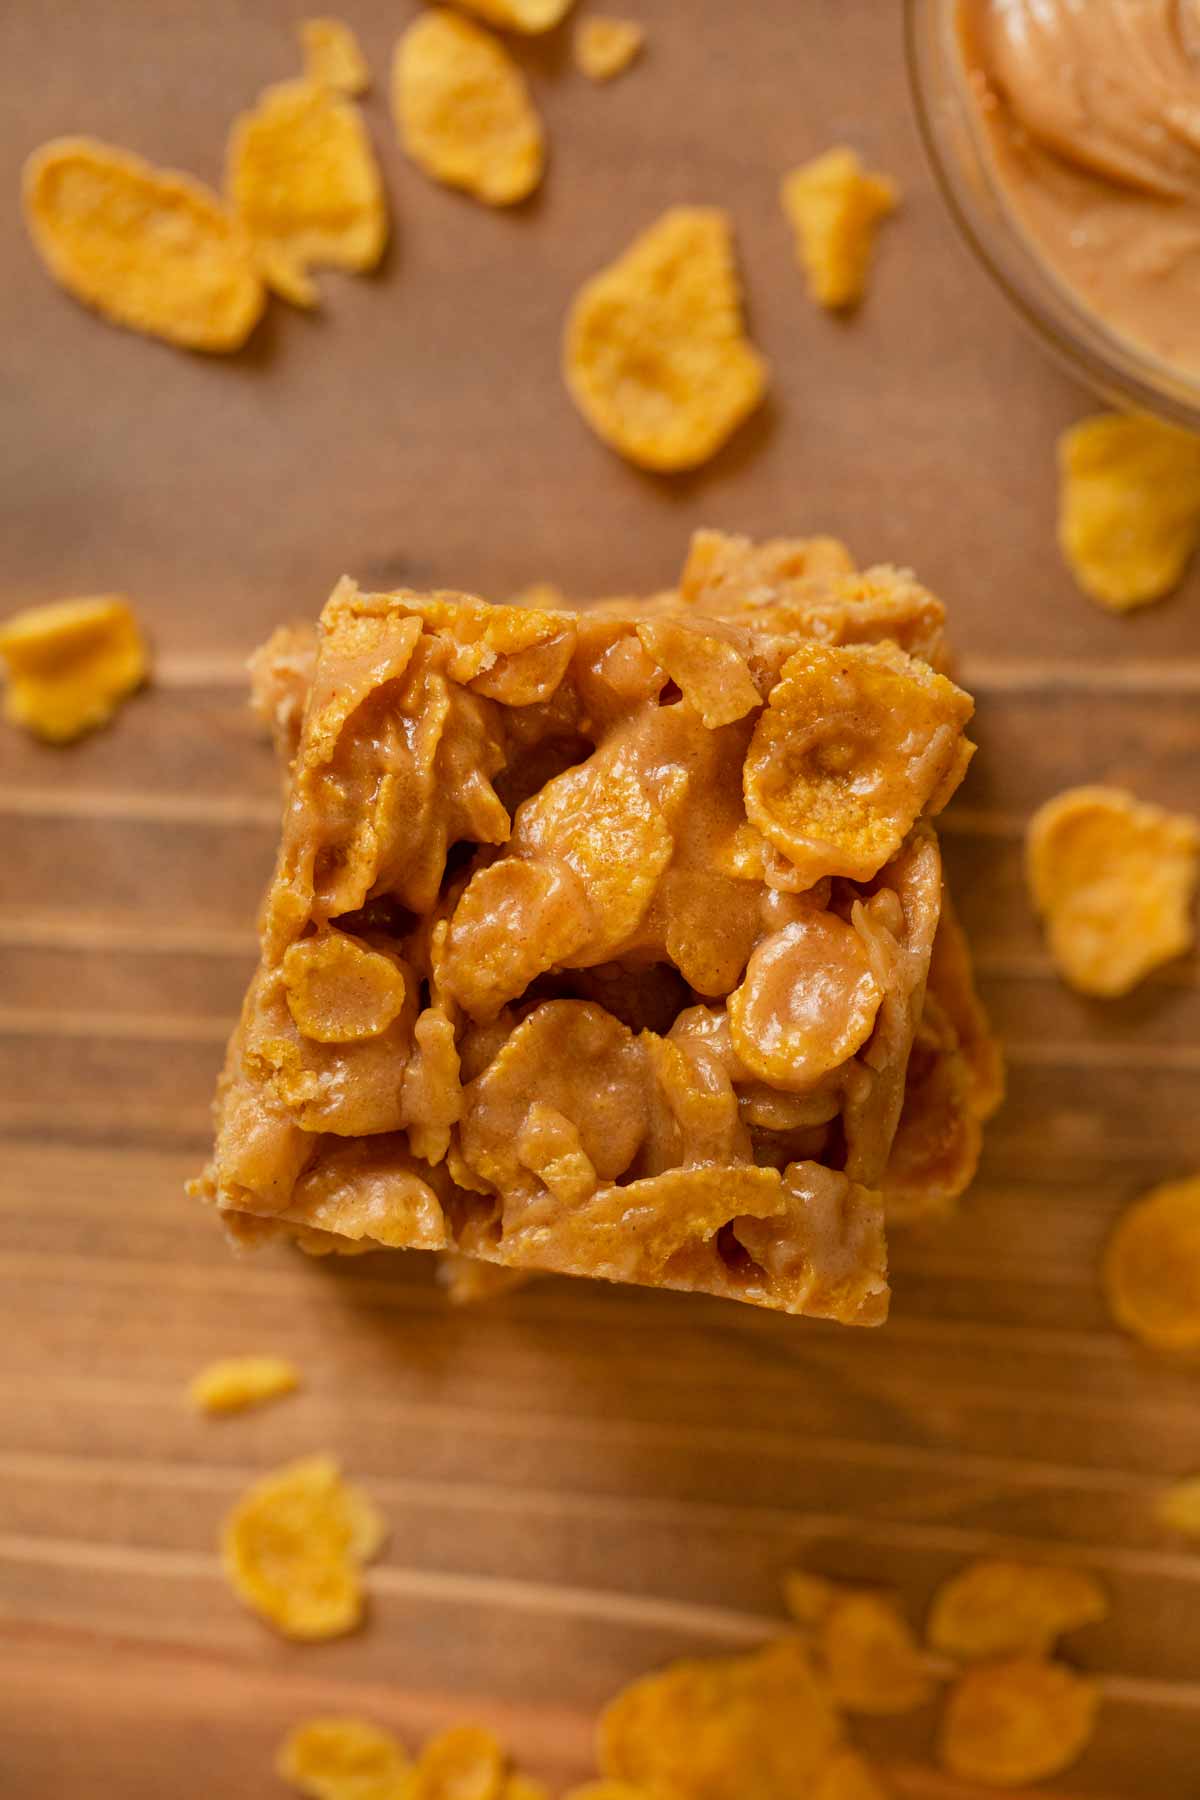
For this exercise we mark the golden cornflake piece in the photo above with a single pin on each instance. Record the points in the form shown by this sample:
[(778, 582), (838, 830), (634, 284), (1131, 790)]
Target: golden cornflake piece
[(1114, 880), (70, 665), (523, 1787), (333, 57), (1008, 1723), (834, 207), (1179, 1507), (755, 1727), (1128, 506), (464, 111), (808, 1001), (655, 355), (294, 1545), (997, 1608), (853, 746), (464, 1763), (527, 16), (149, 248), (1152, 1267), (344, 1759), (710, 673), (871, 1658), (237, 1382), (303, 180), (808, 1597), (606, 1790), (848, 1776), (605, 47), (339, 989)]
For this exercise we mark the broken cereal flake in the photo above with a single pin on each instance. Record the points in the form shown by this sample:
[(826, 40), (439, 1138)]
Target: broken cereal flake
[(712, 674), (340, 989), (1128, 506), (1008, 1723), (464, 111), (808, 1597), (854, 745), (528, 16), (70, 665), (1152, 1267), (149, 248), (303, 180), (995, 1608), (1178, 1507), (834, 206), (755, 1727), (333, 57), (294, 1545), (344, 1759), (870, 1656), (464, 1763), (604, 47), (848, 1776), (655, 354), (236, 1382), (1114, 879)]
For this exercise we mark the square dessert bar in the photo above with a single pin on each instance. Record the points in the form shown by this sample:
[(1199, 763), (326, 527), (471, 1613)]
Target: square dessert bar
[(598, 941)]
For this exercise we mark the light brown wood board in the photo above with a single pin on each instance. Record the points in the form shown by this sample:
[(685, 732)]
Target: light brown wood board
[(579, 1483)]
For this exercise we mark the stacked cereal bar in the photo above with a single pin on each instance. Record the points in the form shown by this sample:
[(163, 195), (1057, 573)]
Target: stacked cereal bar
[(599, 942)]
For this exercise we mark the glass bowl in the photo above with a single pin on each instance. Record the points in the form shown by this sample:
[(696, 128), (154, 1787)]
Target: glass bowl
[(1117, 369)]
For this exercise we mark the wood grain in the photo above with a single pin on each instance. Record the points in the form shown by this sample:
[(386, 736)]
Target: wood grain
[(579, 1483)]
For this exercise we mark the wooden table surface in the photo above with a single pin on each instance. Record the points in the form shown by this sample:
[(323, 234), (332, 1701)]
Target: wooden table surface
[(580, 1483)]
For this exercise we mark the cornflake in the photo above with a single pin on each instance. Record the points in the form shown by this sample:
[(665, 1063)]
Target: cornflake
[(756, 1727), (997, 1609), (1114, 879), (655, 354), (606, 1790), (605, 47), (294, 1545), (1008, 1723), (464, 111), (1179, 1507), (149, 248), (332, 56), (344, 1759), (1128, 506), (1152, 1267), (238, 1382), (303, 180), (870, 1656), (848, 1776), (834, 207), (464, 1763), (529, 16), (70, 665)]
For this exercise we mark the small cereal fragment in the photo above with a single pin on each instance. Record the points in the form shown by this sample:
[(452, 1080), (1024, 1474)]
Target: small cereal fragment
[(1179, 1507), (655, 354), (333, 57), (871, 1658), (808, 1597), (1128, 506), (834, 207), (237, 1382), (529, 16), (149, 248), (464, 1763), (1114, 879), (605, 47), (294, 1545), (756, 1727), (340, 990), (1008, 1723), (70, 665), (344, 1759), (303, 180), (848, 1776), (464, 111), (1152, 1267), (995, 1608)]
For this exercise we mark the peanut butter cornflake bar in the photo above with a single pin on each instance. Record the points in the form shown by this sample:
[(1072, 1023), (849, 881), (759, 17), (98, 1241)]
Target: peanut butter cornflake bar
[(598, 941)]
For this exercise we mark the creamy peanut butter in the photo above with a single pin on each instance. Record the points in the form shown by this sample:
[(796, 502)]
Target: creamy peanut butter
[(1091, 113)]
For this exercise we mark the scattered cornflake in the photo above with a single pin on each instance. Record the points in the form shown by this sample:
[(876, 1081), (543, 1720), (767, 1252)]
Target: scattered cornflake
[(1128, 506), (523, 1787), (996, 1608), (149, 248), (808, 1597), (1179, 1507), (237, 1382), (1152, 1267), (1114, 880), (303, 180), (754, 1727), (464, 111), (293, 1548), (655, 354), (528, 16), (606, 1790), (464, 1763), (333, 57), (344, 1759), (605, 47), (871, 1659), (848, 1776), (834, 206), (1008, 1723), (70, 665)]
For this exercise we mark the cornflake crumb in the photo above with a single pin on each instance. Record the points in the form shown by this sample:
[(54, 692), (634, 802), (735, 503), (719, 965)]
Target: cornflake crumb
[(344, 1759), (238, 1382), (1128, 506), (835, 206), (994, 1608), (1008, 1723), (606, 47), (464, 111), (464, 1763), (870, 1657), (1152, 1267), (527, 16), (70, 665), (333, 57)]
